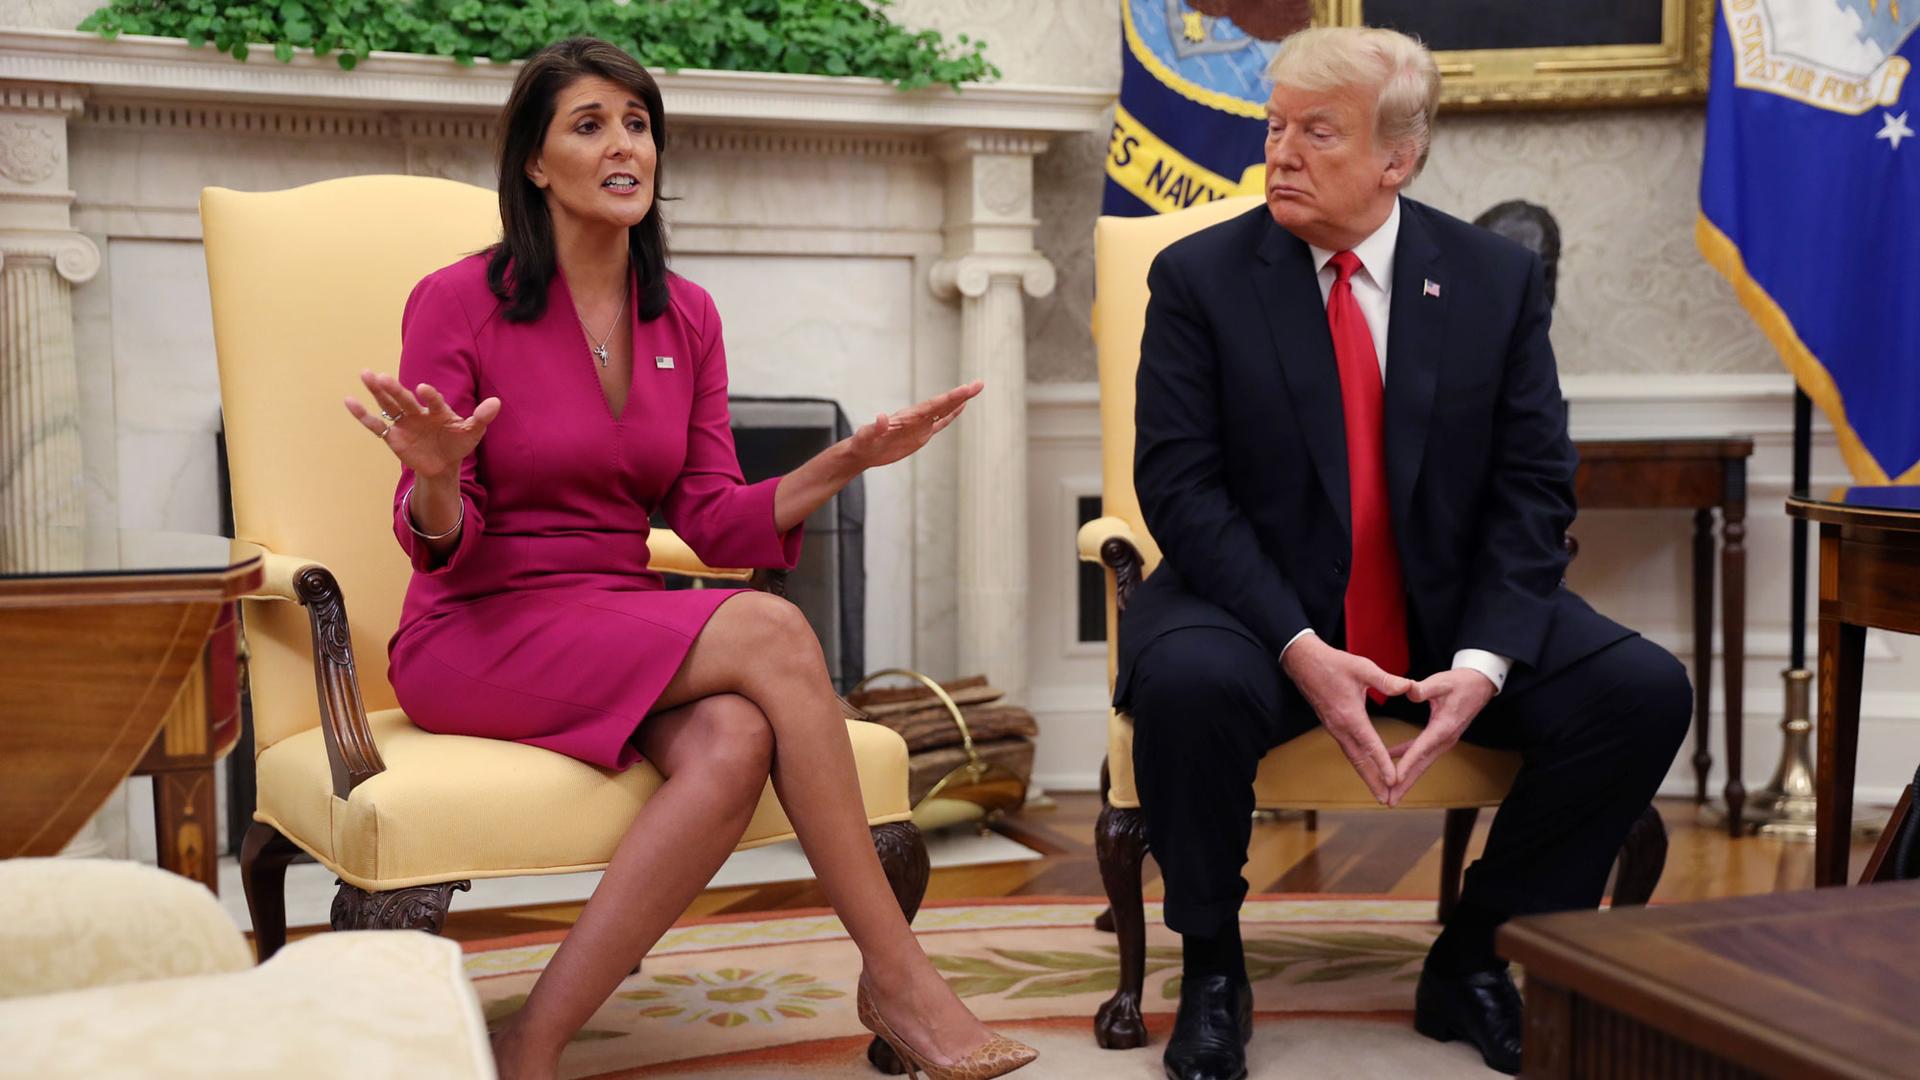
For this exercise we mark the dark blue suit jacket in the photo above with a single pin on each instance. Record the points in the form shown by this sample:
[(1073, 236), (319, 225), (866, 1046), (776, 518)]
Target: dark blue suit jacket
[(1240, 454)]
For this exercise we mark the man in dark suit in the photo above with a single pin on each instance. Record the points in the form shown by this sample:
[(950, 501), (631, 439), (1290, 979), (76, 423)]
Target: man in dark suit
[(1352, 450)]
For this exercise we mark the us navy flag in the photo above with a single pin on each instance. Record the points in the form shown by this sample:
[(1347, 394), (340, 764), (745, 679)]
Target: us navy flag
[(1810, 205), (1191, 124)]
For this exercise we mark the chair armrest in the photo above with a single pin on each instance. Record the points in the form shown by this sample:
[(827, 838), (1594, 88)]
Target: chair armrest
[(1095, 534), (666, 552), (669, 554), (281, 573), (1110, 542), (352, 755)]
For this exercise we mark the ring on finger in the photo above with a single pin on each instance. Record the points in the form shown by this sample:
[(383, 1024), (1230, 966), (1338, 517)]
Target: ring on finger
[(383, 431), (389, 417)]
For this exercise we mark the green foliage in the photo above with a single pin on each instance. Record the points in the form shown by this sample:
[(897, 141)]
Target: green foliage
[(818, 37)]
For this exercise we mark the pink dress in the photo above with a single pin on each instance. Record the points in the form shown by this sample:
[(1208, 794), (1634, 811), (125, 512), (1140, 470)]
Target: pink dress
[(545, 625)]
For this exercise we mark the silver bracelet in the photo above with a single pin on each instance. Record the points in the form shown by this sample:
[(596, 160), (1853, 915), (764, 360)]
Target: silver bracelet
[(406, 507)]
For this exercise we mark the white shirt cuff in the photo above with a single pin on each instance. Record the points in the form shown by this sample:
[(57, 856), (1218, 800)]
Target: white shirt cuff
[(1492, 665), (1283, 649)]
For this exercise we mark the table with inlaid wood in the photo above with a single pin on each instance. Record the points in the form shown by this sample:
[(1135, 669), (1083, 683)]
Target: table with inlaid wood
[(1797, 984), (1869, 577), (115, 662), (1702, 475)]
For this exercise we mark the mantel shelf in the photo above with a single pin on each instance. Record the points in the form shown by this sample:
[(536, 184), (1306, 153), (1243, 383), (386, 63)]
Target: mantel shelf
[(153, 68)]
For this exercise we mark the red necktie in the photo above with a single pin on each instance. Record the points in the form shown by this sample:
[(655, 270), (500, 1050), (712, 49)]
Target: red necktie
[(1376, 606)]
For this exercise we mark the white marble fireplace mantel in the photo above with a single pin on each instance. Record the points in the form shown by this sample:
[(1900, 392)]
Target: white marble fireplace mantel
[(862, 243), (151, 68)]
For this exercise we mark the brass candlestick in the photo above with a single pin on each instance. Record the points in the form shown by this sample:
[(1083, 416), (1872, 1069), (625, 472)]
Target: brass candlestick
[(1784, 808)]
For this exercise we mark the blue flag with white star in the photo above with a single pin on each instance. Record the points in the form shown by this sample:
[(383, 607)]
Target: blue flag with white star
[(1810, 205)]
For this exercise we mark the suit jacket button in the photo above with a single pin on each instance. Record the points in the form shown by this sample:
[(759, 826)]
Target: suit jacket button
[(1339, 566)]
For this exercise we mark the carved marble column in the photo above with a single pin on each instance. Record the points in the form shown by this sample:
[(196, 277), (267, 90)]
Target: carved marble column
[(990, 262), (42, 496)]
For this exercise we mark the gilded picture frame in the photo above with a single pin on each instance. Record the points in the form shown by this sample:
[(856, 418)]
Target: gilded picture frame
[(1602, 53)]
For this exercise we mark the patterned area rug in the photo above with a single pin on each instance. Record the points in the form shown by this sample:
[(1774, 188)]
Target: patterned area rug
[(762, 997)]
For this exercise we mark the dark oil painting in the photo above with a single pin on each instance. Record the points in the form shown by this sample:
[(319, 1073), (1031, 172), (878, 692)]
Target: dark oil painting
[(1456, 25)]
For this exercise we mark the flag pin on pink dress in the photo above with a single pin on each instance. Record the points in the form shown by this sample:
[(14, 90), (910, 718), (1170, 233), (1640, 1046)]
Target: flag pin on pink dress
[(663, 362), (1431, 288)]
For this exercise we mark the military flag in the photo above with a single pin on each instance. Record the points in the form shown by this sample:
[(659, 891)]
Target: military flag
[(1810, 205), (1190, 126)]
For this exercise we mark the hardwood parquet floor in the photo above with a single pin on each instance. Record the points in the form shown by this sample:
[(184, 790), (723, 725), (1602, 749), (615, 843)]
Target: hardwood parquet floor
[(1394, 853)]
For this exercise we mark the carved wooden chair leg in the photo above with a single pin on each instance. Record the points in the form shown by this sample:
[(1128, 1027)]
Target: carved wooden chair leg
[(1120, 843), (421, 907), (1453, 856), (903, 855), (1103, 922), (264, 855), (1642, 859)]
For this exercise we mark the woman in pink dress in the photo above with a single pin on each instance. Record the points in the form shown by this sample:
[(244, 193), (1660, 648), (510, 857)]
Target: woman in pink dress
[(554, 391)]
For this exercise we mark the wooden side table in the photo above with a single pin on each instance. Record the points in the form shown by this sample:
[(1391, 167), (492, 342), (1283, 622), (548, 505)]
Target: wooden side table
[(1801, 984), (1702, 475), (94, 658), (200, 728), (1869, 576)]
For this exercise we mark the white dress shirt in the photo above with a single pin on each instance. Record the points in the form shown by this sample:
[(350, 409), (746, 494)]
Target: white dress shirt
[(1373, 291)]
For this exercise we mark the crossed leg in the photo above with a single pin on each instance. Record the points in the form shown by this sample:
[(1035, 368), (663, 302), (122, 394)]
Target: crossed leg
[(753, 688), (760, 647), (715, 753)]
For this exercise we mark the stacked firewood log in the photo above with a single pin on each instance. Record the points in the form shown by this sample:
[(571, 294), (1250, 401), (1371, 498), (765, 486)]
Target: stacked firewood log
[(1002, 733)]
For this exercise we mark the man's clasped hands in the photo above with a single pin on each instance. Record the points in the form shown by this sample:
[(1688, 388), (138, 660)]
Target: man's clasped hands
[(1337, 685)]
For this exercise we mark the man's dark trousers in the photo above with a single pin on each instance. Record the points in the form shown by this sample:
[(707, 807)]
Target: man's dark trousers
[(1596, 737)]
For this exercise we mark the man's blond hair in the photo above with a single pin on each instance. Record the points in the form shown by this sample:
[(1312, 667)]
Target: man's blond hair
[(1398, 67)]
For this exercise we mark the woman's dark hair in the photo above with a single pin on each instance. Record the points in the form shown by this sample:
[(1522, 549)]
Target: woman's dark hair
[(521, 267)]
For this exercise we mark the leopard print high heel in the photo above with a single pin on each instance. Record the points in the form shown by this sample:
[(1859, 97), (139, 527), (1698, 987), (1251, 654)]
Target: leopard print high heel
[(997, 1056)]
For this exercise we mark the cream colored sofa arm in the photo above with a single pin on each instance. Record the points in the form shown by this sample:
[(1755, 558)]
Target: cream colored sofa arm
[(1094, 534), (349, 1004), (71, 924)]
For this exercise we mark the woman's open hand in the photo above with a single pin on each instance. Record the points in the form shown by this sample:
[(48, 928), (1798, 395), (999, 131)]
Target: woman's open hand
[(422, 431), (890, 438)]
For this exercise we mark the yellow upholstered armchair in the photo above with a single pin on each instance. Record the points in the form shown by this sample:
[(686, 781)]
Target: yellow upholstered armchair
[(307, 289), (1309, 773)]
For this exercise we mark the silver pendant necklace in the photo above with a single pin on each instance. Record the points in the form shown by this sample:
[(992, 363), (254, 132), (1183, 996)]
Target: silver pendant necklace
[(600, 351)]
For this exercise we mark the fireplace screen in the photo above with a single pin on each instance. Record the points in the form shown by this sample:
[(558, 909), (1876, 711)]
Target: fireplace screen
[(774, 436)]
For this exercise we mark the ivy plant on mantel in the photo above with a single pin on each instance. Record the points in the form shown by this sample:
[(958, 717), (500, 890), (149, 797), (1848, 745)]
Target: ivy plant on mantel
[(818, 37)]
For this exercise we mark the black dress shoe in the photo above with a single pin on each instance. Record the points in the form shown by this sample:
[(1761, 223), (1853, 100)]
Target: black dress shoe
[(1482, 1008), (1212, 1029)]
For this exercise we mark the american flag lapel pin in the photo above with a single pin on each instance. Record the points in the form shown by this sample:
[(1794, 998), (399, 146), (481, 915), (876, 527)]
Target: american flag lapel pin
[(665, 363), (1431, 288)]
